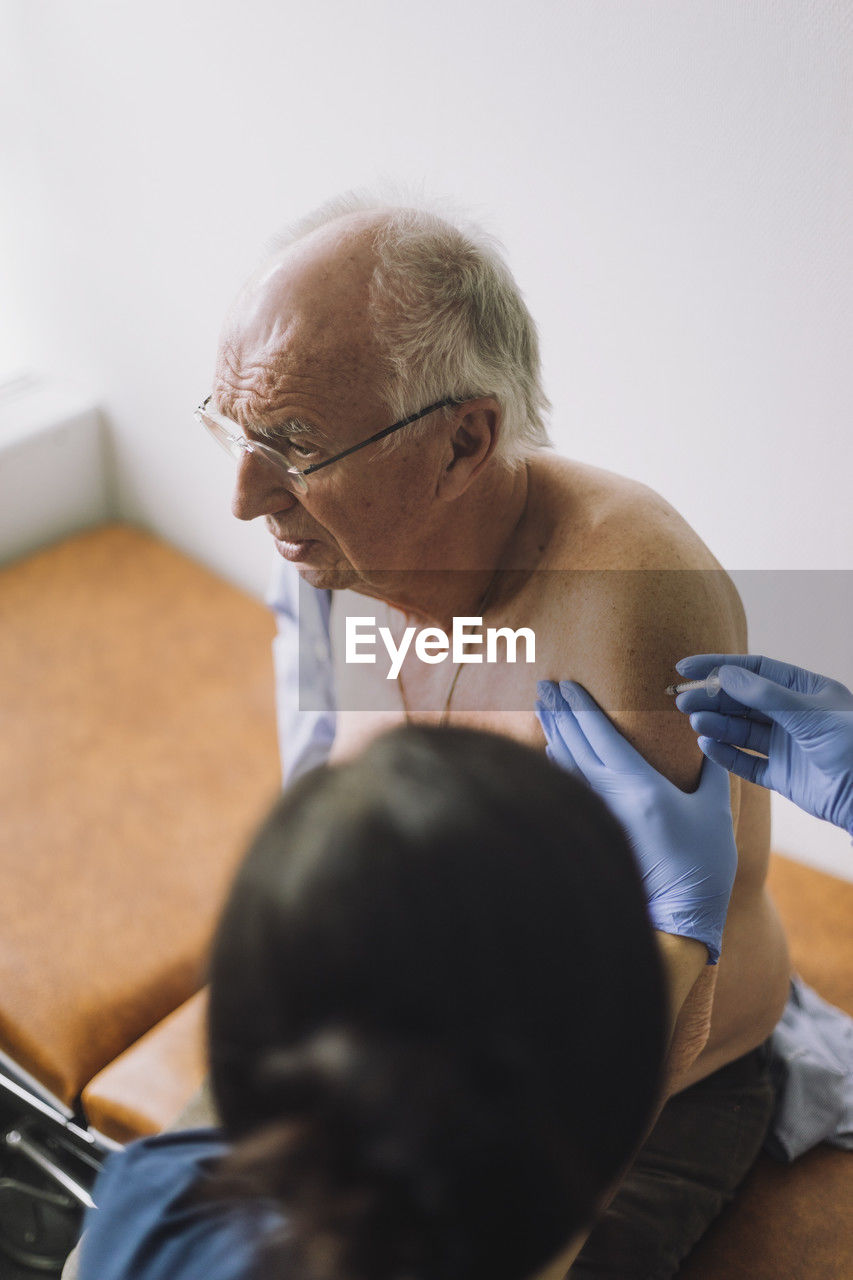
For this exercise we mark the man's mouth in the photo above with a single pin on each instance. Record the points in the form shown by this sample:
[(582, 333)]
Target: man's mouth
[(291, 546), (294, 548)]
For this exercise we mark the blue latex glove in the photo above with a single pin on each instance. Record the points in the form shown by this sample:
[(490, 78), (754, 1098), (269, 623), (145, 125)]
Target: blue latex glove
[(802, 724), (683, 841)]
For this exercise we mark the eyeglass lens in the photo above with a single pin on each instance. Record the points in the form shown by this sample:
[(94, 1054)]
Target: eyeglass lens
[(236, 446)]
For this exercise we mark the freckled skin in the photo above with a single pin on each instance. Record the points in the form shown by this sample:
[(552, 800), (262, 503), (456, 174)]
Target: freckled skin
[(298, 344)]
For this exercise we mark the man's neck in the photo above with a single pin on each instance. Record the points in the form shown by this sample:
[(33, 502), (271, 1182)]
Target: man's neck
[(463, 560)]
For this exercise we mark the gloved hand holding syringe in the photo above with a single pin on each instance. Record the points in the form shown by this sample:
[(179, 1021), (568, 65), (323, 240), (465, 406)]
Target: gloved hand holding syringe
[(775, 724)]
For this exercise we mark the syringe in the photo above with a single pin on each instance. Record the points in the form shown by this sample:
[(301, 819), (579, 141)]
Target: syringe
[(711, 685)]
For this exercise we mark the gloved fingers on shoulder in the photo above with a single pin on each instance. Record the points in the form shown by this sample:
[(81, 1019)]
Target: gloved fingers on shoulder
[(751, 768), (611, 749), (738, 731), (566, 738), (576, 697), (548, 694), (556, 749)]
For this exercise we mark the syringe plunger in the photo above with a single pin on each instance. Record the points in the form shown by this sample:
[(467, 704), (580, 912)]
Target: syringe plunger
[(711, 685)]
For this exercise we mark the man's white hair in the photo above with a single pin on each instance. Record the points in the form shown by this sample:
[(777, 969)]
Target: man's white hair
[(449, 318)]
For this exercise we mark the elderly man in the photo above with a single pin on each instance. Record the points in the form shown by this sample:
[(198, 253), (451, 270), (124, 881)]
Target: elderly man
[(371, 315)]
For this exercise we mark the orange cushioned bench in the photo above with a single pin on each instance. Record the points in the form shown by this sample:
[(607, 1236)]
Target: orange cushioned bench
[(138, 752)]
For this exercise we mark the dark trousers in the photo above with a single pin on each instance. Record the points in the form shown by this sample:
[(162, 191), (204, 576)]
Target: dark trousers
[(705, 1141)]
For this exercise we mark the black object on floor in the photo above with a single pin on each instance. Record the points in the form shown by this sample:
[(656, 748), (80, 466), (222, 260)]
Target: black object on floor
[(39, 1220), (49, 1160)]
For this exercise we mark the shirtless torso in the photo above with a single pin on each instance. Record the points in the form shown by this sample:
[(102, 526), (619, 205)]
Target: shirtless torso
[(617, 587)]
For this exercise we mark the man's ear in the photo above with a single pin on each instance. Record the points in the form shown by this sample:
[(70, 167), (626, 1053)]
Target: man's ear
[(471, 442)]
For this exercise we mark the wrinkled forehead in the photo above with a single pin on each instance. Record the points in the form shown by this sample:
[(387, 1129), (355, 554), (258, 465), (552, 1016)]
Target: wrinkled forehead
[(300, 324), (256, 380)]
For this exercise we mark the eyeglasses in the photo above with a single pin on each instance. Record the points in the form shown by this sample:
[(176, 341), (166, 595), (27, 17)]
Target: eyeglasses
[(230, 437)]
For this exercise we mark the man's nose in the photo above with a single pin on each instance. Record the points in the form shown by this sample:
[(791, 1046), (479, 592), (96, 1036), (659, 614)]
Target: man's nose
[(258, 489)]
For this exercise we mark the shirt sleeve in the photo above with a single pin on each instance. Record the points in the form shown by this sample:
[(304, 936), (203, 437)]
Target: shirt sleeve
[(304, 674), (150, 1223), (811, 1061)]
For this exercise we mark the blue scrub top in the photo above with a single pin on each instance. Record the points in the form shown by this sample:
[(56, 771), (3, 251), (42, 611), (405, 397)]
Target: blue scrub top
[(148, 1227)]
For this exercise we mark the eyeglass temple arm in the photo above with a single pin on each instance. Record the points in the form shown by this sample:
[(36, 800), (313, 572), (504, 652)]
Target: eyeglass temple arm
[(380, 435)]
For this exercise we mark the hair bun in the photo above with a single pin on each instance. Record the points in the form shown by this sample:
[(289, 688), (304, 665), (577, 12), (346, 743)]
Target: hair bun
[(384, 1147)]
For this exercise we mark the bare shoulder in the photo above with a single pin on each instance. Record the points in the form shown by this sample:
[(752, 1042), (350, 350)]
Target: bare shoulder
[(634, 589), (606, 521), (618, 539)]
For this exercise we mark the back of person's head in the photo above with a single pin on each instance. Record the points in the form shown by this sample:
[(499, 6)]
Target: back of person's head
[(437, 1011)]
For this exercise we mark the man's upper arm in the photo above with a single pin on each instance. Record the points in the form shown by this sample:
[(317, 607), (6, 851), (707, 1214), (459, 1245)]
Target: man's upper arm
[(635, 625)]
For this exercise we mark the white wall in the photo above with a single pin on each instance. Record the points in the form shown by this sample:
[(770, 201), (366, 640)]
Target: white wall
[(673, 183)]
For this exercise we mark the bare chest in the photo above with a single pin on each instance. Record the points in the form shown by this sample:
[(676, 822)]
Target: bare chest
[(488, 681)]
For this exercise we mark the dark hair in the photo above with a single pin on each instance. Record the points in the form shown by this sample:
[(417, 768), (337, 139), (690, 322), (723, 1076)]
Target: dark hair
[(437, 1012)]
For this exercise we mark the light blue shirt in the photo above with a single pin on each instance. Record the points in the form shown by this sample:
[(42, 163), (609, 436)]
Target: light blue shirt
[(304, 675)]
